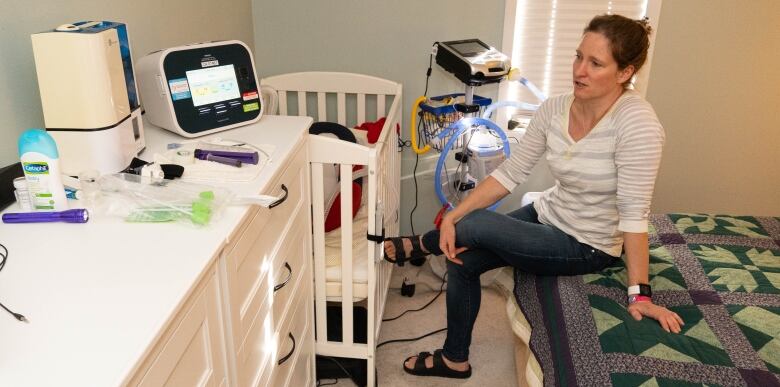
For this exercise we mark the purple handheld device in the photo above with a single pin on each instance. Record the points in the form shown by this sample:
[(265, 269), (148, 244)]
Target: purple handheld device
[(79, 215), (244, 157)]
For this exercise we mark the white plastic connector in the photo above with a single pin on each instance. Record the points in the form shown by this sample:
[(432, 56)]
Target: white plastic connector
[(67, 27), (514, 74)]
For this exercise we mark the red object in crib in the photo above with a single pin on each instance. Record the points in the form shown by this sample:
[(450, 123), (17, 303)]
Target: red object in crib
[(374, 129), (333, 217)]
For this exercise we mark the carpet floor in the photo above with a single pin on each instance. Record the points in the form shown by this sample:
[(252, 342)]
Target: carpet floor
[(492, 348)]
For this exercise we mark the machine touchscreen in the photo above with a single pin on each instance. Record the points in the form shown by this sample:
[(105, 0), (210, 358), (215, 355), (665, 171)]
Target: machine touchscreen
[(470, 48), (213, 84)]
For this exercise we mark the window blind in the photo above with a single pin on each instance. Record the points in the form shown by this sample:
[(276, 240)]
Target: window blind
[(545, 35)]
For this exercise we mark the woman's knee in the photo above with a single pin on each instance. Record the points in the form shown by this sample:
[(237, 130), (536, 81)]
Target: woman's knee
[(472, 266), (470, 229), (456, 270)]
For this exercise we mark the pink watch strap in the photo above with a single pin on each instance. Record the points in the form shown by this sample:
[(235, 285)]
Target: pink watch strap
[(637, 298)]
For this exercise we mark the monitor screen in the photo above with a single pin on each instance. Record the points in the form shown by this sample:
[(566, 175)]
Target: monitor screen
[(469, 48), (213, 84)]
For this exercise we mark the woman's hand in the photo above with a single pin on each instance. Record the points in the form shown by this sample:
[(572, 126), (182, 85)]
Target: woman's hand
[(670, 321), (487, 192), (447, 240)]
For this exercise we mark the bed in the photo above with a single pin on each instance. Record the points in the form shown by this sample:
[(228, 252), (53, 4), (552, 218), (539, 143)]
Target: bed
[(348, 264), (720, 273)]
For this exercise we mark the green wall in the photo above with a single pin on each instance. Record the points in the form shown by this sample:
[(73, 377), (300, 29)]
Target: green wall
[(151, 25), (387, 39)]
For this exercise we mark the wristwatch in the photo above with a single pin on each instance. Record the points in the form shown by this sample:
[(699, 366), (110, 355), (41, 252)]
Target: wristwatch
[(640, 290)]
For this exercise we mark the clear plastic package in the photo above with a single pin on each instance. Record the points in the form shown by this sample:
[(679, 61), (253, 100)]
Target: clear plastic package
[(140, 199)]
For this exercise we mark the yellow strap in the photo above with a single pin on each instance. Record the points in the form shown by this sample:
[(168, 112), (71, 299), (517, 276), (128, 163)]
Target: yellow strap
[(413, 125)]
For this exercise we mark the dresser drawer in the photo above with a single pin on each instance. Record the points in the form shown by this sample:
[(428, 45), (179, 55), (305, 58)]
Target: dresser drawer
[(255, 349), (302, 372), (292, 266), (293, 338), (292, 180), (250, 258), (192, 352)]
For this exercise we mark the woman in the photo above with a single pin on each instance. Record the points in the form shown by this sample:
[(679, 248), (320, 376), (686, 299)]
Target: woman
[(603, 143)]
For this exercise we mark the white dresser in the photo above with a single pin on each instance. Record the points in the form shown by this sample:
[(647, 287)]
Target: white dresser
[(113, 303)]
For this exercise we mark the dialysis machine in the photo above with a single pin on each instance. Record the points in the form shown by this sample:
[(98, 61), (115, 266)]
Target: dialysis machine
[(89, 96), (202, 88)]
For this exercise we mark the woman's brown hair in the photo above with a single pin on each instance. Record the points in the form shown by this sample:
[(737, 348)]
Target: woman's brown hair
[(629, 39)]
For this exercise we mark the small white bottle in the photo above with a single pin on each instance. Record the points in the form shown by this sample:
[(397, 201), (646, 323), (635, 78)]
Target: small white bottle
[(41, 165), (22, 194)]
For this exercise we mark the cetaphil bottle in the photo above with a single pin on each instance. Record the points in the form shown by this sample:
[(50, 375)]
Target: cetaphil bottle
[(40, 162)]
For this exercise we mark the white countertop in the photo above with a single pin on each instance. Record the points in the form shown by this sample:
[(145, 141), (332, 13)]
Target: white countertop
[(97, 295)]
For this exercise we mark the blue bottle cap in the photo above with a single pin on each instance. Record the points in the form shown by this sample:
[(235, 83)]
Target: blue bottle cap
[(38, 140)]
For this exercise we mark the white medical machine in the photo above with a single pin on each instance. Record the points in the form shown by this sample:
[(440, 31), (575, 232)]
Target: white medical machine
[(89, 97), (475, 63), (472, 61), (201, 88)]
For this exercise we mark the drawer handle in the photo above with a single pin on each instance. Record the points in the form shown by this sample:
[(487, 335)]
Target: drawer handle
[(281, 285), (281, 200), (284, 359)]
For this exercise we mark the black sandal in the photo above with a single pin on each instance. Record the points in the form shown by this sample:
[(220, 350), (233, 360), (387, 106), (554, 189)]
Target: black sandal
[(438, 369), (416, 256)]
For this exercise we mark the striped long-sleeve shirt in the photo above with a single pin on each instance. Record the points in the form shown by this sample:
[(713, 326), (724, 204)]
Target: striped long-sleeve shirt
[(604, 181)]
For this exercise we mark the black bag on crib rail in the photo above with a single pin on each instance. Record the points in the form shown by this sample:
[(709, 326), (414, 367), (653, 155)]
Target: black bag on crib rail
[(330, 367)]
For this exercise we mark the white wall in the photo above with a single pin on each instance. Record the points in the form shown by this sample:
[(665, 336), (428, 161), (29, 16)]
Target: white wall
[(715, 85), (388, 39), (152, 25)]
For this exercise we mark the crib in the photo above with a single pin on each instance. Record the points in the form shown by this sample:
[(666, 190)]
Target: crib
[(362, 275)]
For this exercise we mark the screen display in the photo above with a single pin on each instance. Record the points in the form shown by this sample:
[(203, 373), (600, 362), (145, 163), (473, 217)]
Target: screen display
[(469, 48), (213, 84)]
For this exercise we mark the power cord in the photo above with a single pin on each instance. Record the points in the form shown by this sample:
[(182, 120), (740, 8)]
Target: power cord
[(419, 126), (412, 339), (3, 258), (340, 366), (441, 290), (414, 178)]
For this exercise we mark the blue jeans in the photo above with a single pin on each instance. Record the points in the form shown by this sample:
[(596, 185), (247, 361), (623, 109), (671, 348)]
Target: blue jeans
[(495, 240)]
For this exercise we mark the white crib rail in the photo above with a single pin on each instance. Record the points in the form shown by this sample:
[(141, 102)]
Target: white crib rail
[(383, 164)]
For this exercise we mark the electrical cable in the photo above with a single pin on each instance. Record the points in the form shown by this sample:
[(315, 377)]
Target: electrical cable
[(441, 290), (412, 339), (414, 178), (340, 366), (417, 155), (3, 258), (4, 255)]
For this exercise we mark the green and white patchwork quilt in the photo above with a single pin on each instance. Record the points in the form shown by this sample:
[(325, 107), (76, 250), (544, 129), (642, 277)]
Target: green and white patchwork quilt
[(720, 273)]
